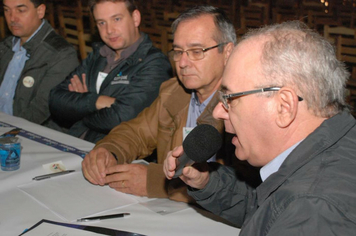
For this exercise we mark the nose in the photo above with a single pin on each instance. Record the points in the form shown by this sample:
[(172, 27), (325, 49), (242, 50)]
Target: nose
[(184, 60), (11, 16), (220, 112), (109, 28)]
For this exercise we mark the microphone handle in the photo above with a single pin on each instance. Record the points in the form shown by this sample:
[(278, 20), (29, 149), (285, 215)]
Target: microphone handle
[(183, 161)]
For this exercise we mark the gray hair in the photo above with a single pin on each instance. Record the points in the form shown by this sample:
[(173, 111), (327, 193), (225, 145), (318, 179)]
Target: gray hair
[(225, 29), (296, 56)]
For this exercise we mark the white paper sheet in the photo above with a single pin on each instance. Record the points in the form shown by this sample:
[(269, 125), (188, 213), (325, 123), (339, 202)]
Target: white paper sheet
[(80, 198)]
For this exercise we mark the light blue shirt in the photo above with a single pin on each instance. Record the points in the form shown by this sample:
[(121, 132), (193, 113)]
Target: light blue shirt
[(13, 73), (195, 110), (273, 166)]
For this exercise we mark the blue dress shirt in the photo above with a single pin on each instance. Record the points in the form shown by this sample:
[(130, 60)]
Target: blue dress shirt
[(274, 165), (195, 110), (13, 73)]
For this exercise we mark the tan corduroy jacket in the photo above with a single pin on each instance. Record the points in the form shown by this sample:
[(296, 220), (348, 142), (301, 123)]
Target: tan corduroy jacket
[(160, 127)]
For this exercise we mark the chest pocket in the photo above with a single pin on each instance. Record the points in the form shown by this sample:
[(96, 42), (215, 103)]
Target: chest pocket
[(29, 83)]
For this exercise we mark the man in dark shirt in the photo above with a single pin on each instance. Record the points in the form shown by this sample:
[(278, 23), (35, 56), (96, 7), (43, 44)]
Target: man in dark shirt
[(117, 80)]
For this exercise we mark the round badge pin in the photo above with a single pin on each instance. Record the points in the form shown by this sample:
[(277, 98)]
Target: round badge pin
[(28, 81)]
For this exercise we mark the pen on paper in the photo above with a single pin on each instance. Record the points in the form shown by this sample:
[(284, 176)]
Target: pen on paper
[(104, 217), (41, 177)]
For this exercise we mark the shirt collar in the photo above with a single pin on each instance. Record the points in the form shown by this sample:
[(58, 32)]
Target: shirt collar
[(195, 100), (16, 40), (276, 163), (109, 53)]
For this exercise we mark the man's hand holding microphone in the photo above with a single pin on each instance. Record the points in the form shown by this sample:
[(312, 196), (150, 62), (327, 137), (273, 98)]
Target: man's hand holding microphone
[(200, 144)]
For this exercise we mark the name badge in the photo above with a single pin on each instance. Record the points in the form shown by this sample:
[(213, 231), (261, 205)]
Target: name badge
[(120, 79), (100, 80), (28, 81), (186, 131)]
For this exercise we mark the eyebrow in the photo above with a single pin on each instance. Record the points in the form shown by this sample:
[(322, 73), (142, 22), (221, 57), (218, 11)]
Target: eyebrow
[(113, 16), (18, 6), (223, 88), (193, 45)]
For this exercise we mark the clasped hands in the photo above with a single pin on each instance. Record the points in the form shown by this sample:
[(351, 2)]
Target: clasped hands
[(100, 167)]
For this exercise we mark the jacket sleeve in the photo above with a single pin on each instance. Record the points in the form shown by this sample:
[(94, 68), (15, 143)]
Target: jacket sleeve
[(64, 62), (224, 195), (130, 100), (68, 107), (142, 91), (312, 216), (134, 139)]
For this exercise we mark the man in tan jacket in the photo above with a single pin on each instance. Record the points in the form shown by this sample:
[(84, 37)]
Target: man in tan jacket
[(203, 40)]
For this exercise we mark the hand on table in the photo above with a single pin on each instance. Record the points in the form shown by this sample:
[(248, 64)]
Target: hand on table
[(191, 175), (95, 164), (76, 85), (128, 178)]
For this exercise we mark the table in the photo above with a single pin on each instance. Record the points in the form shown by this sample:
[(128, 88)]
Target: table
[(19, 211)]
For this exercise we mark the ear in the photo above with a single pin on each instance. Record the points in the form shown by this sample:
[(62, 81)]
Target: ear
[(287, 107), (136, 16), (41, 11), (227, 51)]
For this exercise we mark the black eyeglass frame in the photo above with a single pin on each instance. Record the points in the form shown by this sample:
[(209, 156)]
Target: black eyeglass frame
[(171, 55), (225, 97)]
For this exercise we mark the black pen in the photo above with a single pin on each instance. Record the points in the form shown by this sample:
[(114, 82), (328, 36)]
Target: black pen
[(40, 177), (104, 217)]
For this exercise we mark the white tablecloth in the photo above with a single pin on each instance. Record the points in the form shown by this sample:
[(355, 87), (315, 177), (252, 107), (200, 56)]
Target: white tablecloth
[(19, 211)]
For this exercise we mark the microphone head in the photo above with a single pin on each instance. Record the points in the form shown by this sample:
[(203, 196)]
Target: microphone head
[(202, 143)]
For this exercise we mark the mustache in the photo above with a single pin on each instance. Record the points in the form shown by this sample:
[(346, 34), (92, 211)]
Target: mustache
[(14, 24)]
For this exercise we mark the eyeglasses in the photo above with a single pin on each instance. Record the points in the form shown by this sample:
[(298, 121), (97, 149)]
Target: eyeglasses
[(194, 54), (226, 98)]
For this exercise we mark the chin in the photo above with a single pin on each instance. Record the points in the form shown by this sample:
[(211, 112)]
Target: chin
[(189, 83)]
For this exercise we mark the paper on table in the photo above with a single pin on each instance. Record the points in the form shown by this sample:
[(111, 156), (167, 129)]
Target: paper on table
[(45, 229), (164, 206), (71, 196)]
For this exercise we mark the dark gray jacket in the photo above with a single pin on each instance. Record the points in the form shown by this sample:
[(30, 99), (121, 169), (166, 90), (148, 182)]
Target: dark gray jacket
[(52, 58), (313, 192), (134, 83)]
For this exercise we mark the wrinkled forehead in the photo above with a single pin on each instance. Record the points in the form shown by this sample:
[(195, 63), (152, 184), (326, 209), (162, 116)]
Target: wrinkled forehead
[(243, 69), (197, 31)]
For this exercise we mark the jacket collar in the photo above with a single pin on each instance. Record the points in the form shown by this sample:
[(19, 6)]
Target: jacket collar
[(175, 106), (38, 38), (207, 115), (133, 59), (326, 135), (142, 50)]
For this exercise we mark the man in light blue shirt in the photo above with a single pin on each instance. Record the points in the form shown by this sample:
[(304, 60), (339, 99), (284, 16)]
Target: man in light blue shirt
[(32, 61), (12, 74), (194, 111)]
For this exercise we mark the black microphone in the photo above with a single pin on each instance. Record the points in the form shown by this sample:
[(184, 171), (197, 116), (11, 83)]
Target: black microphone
[(199, 145)]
